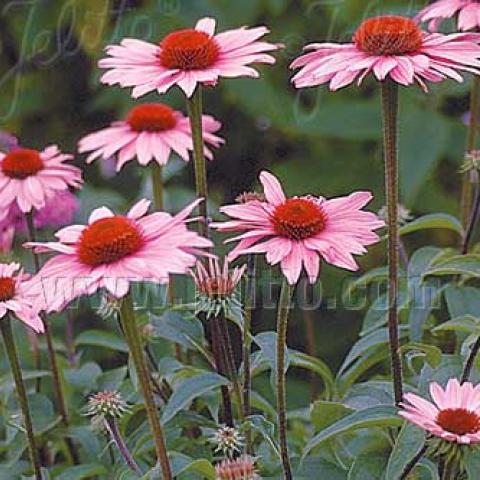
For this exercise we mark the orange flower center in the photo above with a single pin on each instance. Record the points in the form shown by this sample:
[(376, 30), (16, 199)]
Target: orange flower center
[(7, 288), (298, 218), (108, 240), (151, 117), (22, 163), (188, 49), (388, 35), (459, 421)]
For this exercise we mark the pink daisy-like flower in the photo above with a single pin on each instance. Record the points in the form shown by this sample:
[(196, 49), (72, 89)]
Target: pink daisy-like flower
[(242, 468), (114, 250), (468, 14), (389, 47), (15, 297), (301, 230), (29, 177), (185, 58), (150, 132), (454, 414)]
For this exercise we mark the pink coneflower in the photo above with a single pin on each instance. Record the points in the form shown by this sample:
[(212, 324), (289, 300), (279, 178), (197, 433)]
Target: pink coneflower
[(242, 468), (150, 132), (114, 250), (185, 58), (389, 47), (301, 230), (29, 177), (15, 297), (468, 14), (216, 287), (454, 414)]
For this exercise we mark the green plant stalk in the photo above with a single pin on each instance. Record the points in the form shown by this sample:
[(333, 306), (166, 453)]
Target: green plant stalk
[(466, 199), (472, 221), (390, 127), (11, 351), (56, 379), (229, 360), (194, 108), (247, 345), (282, 324), (132, 337), (219, 358), (157, 186)]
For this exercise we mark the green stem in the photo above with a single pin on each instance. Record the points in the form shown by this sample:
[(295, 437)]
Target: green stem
[(390, 125), (136, 350), (218, 355), (471, 145), (194, 107), (229, 359), (57, 384), (247, 323), (11, 350), (157, 186), (282, 323)]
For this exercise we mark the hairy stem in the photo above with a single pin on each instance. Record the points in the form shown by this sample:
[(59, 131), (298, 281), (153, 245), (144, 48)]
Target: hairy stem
[(56, 379), (117, 438), (247, 345), (282, 323), (411, 465), (194, 107), (136, 350), (390, 126), (11, 351), (157, 186), (217, 351), (466, 200), (472, 221)]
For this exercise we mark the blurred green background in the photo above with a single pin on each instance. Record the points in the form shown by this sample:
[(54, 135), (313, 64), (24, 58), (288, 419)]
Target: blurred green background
[(316, 141)]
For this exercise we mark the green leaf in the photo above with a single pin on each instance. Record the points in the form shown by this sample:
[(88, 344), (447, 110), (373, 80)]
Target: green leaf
[(319, 468), (80, 472), (433, 220), (189, 389), (410, 441), (468, 265), (323, 414), (201, 467), (302, 360), (418, 158), (433, 355), (102, 338), (472, 463), (462, 300), (379, 416), (368, 467), (466, 323)]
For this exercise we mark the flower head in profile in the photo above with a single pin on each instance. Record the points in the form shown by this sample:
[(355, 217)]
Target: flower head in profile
[(454, 414), (216, 287), (241, 468), (150, 131), (114, 250), (28, 178), (389, 47), (468, 12), (15, 297), (300, 231), (186, 58)]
